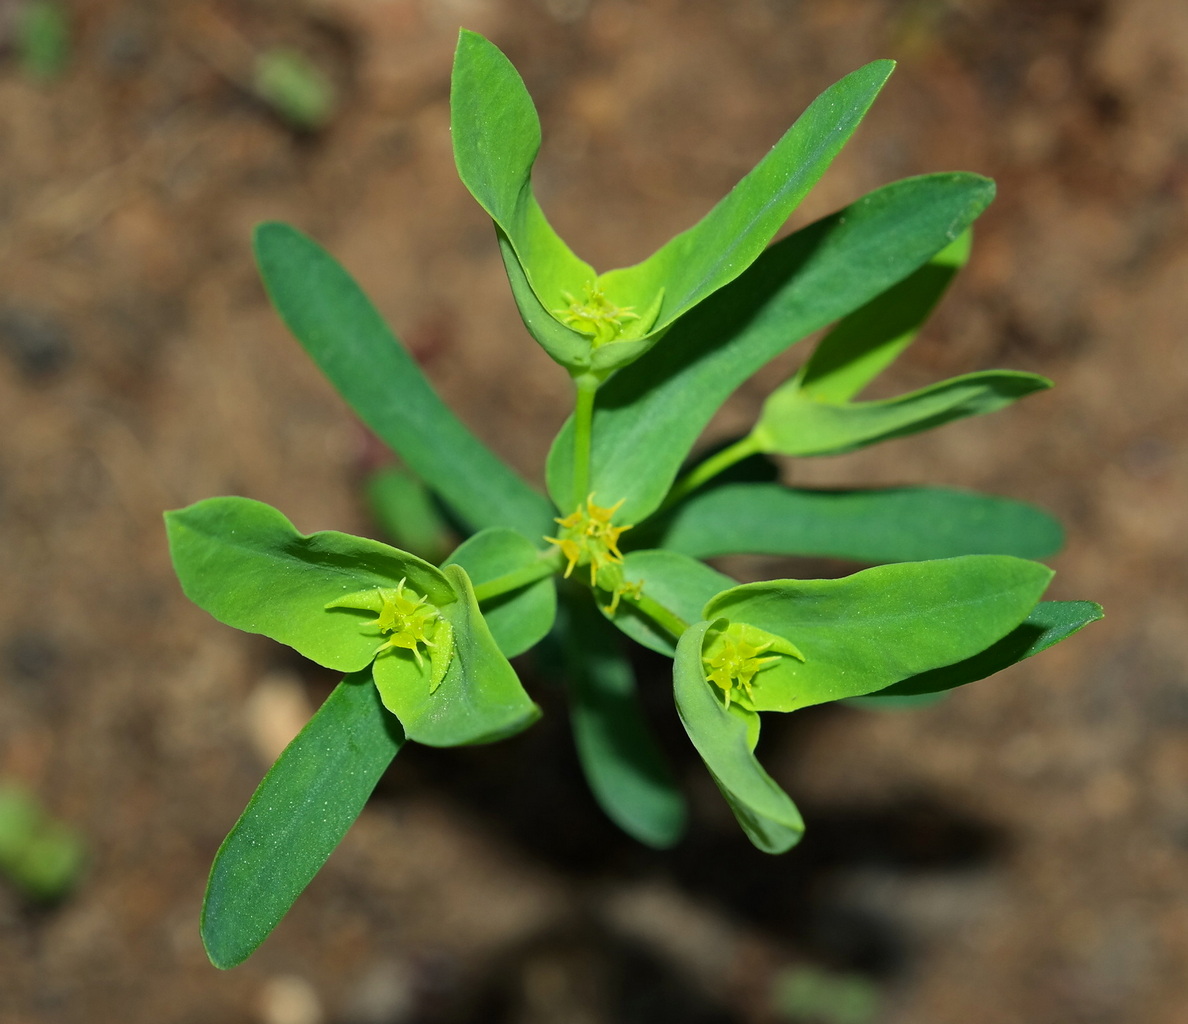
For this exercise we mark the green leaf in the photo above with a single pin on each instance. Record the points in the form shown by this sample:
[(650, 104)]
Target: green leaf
[(564, 344), (681, 584), (867, 341), (1048, 624), (646, 421), (295, 88), (345, 335), (899, 524), (299, 813), (245, 563), (864, 632), (726, 739), (795, 423), (41, 856), (480, 700), (521, 618), (42, 30), (731, 236), (619, 755), (496, 134), (406, 512)]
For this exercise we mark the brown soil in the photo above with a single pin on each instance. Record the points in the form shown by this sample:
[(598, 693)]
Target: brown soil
[(1018, 853)]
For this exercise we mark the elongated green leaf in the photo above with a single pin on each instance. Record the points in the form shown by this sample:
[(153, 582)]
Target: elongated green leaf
[(496, 135), (731, 236), (619, 755), (725, 739), (864, 632), (795, 423), (246, 564), (345, 335), (646, 421), (899, 524), (680, 583), (480, 700), (867, 341), (520, 619), (297, 816), (1048, 624), (564, 344), (404, 508)]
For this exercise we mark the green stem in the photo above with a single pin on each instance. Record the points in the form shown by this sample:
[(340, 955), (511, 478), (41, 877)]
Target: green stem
[(548, 563), (660, 615), (583, 424), (705, 471)]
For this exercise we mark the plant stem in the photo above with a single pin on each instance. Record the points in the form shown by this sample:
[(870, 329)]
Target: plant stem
[(705, 471), (660, 615), (583, 424), (548, 563)]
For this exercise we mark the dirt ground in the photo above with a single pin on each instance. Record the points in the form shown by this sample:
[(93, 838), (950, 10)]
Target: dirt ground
[(1013, 855)]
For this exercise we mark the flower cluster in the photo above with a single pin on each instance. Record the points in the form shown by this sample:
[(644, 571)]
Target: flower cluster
[(732, 657), (589, 538), (596, 315)]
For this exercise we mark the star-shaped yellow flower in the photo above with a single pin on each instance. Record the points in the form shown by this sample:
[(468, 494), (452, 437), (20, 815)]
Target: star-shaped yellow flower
[(732, 657), (588, 537)]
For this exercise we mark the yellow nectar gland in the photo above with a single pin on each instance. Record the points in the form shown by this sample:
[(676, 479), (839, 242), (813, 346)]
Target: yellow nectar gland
[(589, 538), (409, 623), (595, 315), (732, 658)]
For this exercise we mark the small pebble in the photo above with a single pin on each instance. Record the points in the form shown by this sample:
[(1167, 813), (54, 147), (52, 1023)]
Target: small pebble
[(289, 999)]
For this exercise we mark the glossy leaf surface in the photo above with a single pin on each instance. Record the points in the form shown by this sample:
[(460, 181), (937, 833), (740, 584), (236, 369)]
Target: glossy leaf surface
[(496, 133), (247, 565), (731, 236), (348, 339), (899, 524), (1048, 624), (864, 632), (479, 700), (496, 136), (298, 815), (866, 342), (520, 619), (646, 421), (726, 739), (619, 755)]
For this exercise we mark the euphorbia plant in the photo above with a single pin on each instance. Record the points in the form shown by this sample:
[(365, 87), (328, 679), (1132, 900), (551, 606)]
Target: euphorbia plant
[(653, 351)]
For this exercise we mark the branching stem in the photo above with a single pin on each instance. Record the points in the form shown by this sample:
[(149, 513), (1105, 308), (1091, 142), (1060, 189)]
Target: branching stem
[(548, 563), (660, 615), (705, 471)]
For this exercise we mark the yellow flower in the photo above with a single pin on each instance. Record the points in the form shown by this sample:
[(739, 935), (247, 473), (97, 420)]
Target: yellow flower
[(732, 659), (407, 622), (589, 538), (595, 315)]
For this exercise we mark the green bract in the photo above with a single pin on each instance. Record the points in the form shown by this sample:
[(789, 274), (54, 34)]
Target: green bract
[(654, 350), (245, 564), (596, 323)]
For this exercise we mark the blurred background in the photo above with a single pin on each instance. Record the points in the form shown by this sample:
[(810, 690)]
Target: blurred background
[(1016, 853)]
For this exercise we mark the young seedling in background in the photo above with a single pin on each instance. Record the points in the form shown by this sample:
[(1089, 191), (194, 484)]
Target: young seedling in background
[(295, 88), (653, 351), (43, 39), (41, 856)]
